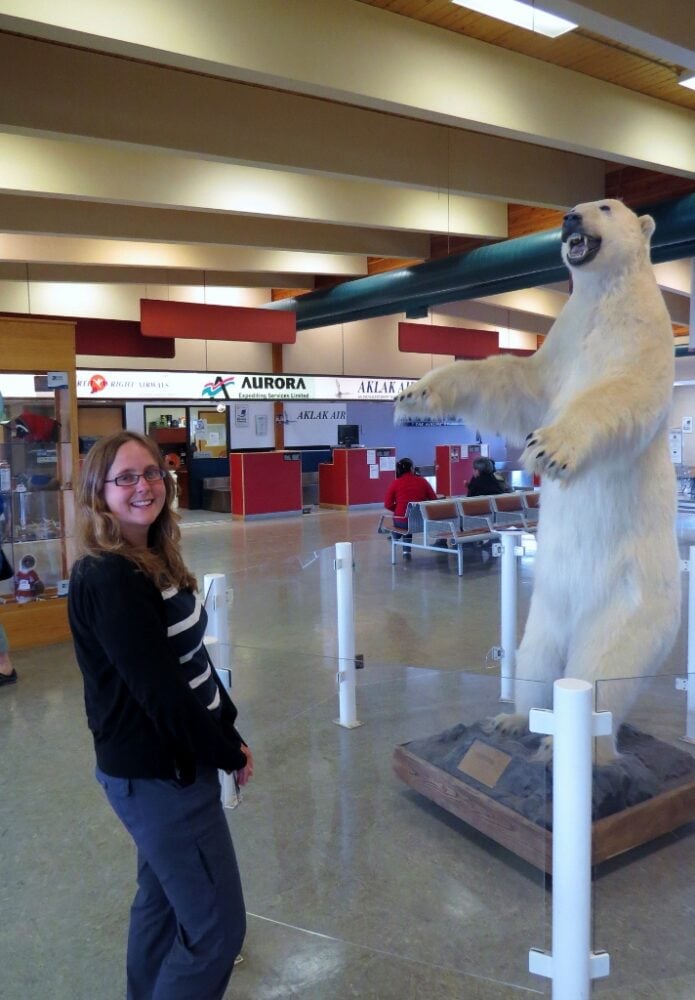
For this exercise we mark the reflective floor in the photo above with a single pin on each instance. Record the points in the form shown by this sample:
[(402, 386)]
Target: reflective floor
[(355, 885)]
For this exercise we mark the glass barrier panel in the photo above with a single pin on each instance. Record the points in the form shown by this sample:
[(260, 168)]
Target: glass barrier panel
[(643, 892), (420, 612), (334, 841)]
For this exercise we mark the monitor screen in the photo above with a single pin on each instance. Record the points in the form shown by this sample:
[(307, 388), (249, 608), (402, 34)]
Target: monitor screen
[(348, 435)]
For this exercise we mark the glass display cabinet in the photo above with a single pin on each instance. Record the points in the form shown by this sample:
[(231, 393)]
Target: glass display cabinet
[(36, 490), (38, 466)]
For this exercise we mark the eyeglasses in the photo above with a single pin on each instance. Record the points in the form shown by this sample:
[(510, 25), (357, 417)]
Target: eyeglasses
[(151, 475)]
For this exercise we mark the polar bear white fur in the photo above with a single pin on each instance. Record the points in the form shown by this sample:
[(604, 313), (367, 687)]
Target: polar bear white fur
[(592, 405)]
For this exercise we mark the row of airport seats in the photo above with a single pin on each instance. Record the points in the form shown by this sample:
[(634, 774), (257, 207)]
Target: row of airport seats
[(450, 524)]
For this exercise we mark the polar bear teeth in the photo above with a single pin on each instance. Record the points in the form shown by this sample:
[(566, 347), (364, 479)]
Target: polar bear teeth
[(581, 247), (577, 246)]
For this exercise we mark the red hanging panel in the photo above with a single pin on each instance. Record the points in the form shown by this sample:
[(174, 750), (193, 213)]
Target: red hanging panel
[(119, 338), (192, 321), (423, 338)]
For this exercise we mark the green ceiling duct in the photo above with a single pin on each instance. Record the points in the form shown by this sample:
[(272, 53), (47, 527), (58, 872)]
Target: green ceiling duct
[(503, 267)]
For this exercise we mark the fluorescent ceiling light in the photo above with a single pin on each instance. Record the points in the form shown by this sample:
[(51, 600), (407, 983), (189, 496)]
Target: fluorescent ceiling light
[(687, 79), (523, 15)]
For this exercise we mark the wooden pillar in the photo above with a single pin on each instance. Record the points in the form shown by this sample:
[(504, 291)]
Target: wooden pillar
[(277, 368)]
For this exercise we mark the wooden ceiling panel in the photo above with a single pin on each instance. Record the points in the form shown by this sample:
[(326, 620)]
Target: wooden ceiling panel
[(580, 50)]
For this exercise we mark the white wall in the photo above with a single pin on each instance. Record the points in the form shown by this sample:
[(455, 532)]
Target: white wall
[(684, 406), (195, 356), (259, 429)]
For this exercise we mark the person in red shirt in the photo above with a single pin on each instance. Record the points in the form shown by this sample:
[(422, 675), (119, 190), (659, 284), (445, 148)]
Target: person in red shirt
[(406, 487)]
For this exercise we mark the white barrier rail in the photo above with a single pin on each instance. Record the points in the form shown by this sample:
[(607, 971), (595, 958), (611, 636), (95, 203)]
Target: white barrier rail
[(217, 643), (346, 636), (689, 682), (511, 548), (571, 965)]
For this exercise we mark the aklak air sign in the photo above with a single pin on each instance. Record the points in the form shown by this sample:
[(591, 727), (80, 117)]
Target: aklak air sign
[(108, 384)]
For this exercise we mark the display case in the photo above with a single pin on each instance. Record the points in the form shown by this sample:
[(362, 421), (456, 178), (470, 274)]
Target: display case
[(38, 465)]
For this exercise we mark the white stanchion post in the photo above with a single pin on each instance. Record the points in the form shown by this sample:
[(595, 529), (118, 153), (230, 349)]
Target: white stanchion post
[(690, 679), (175, 479), (572, 723), (511, 548), (217, 643), (346, 637), (215, 600)]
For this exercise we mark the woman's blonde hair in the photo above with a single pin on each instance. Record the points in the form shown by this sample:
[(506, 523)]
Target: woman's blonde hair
[(99, 531)]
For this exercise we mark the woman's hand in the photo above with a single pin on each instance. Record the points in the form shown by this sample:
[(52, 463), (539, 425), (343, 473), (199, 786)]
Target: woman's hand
[(245, 774)]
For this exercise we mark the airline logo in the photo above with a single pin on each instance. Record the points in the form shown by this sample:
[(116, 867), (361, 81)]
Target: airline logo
[(218, 387)]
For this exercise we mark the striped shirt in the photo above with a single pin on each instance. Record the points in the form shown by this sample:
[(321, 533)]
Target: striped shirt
[(186, 624)]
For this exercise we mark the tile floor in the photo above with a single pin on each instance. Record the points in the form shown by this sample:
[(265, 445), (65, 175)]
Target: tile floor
[(355, 886)]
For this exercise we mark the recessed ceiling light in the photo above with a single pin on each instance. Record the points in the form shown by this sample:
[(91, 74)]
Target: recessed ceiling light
[(687, 79), (523, 15)]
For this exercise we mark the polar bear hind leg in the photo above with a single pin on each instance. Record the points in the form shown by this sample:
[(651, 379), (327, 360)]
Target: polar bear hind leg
[(616, 654), (540, 660), (614, 651)]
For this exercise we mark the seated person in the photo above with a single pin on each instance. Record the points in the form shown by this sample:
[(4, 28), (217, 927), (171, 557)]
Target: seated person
[(406, 487), (484, 482)]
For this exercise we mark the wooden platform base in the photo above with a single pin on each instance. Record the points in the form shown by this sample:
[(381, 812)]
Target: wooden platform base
[(611, 836), (37, 623)]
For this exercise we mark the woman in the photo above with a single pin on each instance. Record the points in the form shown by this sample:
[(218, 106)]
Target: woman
[(407, 487), (162, 723), (484, 482)]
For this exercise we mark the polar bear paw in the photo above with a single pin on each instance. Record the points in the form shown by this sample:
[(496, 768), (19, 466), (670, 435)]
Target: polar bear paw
[(553, 451), (507, 725), (431, 396), (544, 753)]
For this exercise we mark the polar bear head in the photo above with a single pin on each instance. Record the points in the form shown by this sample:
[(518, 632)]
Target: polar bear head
[(605, 235)]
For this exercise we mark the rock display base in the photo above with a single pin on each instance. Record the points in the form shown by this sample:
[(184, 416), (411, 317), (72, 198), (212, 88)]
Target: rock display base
[(493, 784)]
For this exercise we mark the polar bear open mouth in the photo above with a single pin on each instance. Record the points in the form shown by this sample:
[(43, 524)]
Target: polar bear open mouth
[(582, 248)]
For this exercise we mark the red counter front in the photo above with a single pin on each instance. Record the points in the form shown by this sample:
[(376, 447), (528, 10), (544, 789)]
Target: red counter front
[(454, 467), (265, 483), (357, 477)]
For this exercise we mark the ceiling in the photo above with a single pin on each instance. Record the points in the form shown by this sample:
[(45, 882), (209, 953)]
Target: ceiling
[(274, 145)]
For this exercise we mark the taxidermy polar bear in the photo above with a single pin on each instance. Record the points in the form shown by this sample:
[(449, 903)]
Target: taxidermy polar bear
[(592, 406)]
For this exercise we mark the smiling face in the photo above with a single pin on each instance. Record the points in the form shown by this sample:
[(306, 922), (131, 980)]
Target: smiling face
[(136, 507)]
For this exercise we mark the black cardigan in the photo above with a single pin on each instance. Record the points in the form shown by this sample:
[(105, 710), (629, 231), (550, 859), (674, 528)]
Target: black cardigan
[(145, 719), (484, 485)]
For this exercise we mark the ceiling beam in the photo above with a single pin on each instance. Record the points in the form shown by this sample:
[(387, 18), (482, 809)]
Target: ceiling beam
[(361, 55), (79, 169), (72, 217), (164, 277), (53, 89), (656, 28), (172, 256)]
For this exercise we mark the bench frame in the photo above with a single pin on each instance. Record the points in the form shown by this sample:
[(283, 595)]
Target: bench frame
[(459, 521)]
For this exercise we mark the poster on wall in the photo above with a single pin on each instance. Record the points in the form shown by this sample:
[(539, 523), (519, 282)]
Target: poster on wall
[(241, 415), (261, 424)]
